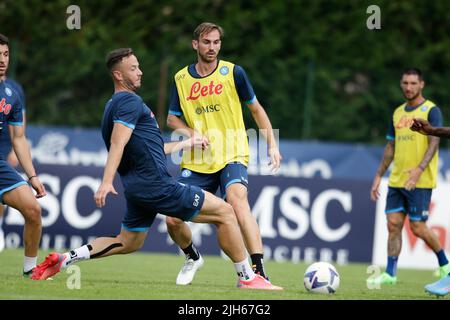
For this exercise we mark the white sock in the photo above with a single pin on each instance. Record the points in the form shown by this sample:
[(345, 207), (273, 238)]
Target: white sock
[(76, 255), (244, 271), (29, 263)]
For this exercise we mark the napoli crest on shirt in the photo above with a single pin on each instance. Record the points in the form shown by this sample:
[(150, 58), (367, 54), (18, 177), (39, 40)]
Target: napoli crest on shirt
[(186, 173), (224, 70), (424, 108), (8, 91)]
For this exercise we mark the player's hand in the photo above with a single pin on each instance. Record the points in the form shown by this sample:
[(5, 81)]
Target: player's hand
[(414, 175), (275, 159), (422, 126), (38, 187), (374, 193), (198, 141), (102, 192)]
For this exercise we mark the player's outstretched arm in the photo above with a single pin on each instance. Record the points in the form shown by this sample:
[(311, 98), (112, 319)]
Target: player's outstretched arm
[(120, 136), (196, 141), (424, 127)]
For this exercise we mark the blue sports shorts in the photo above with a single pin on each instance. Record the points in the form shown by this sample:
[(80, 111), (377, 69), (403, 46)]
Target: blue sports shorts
[(9, 178), (414, 203), (181, 201), (234, 172)]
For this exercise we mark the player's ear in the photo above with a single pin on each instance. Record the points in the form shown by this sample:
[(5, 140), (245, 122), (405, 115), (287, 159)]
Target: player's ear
[(422, 84), (195, 44), (117, 75)]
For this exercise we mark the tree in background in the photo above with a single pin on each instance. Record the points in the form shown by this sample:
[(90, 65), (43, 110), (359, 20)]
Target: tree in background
[(317, 55)]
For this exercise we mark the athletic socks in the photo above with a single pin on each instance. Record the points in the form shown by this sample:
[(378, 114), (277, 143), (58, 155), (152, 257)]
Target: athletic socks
[(244, 271), (442, 258), (258, 264), (76, 255), (391, 268), (29, 263), (191, 252)]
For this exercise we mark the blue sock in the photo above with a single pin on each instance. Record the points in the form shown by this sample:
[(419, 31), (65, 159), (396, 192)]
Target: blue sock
[(392, 266), (441, 258)]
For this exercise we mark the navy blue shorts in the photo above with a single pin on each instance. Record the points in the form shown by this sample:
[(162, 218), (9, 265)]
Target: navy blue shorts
[(234, 172), (415, 203), (183, 202), (9, 178)]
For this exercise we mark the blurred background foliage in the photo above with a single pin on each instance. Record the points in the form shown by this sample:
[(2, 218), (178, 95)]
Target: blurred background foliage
[(314, 65)]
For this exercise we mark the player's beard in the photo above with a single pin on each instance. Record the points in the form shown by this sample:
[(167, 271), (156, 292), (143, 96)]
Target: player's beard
[(413, 97), (133, 86), (207, 59)]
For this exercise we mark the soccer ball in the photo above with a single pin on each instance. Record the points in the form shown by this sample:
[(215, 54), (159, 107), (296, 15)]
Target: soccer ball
[(321, 277)]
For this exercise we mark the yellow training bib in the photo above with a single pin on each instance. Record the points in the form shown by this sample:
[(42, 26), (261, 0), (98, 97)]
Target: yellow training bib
[(211, 106), (410, 148)]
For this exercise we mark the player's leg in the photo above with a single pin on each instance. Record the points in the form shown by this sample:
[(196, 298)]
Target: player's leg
[(22, 199), (125, 242), (234, 185), (395, 222), (135, 225), (181, 234), (236, 195), (418, 215), (395, 216), (180, 231), (216, 211)]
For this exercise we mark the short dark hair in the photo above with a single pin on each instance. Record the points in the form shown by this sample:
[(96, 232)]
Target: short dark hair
[(414, 71), (116, 56), (4, 39), (207, 27)]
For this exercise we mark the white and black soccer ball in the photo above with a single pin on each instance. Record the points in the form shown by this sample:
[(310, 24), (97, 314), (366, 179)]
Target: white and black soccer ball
[(321, 277)]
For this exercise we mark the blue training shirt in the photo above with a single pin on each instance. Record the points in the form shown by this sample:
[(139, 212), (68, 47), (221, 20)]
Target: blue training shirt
[(10, 113), (143, 161), (243, 87), (5, 140)]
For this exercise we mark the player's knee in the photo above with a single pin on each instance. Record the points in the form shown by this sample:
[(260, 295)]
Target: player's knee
[(416, 229), (395, 225), (236, 198), (227, 214), (174, 223), (132, 246), (32, 214)]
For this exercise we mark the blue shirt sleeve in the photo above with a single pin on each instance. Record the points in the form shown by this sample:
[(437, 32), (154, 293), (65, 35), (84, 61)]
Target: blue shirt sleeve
[(15, 117), (21, 96), (435, 117), (174, 104), (243, 86), (390, 135), (128, 111)]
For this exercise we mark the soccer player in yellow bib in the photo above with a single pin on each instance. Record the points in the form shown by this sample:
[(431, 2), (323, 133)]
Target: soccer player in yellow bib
[(208, 95), (413, 175)]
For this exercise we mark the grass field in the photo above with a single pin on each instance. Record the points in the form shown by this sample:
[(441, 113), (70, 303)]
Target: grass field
[(152, 276)]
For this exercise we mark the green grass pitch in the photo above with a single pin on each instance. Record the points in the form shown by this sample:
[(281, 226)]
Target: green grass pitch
[(152, 276)]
